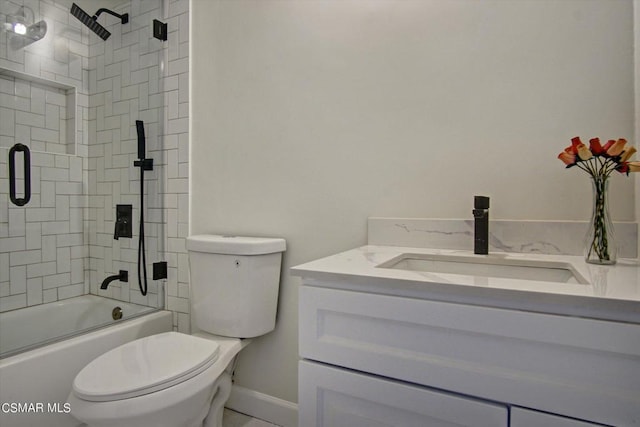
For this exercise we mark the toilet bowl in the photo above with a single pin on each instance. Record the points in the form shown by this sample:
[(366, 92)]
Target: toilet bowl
[(178, 380), (164, 380)]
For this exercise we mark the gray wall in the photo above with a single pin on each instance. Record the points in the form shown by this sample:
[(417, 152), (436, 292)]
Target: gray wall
[(308, 117)]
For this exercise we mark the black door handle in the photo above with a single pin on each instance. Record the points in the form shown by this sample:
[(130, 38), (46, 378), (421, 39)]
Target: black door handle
[(27, 174)]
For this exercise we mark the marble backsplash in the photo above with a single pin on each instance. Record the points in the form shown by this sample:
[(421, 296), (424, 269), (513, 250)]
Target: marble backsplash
[(542, 237)]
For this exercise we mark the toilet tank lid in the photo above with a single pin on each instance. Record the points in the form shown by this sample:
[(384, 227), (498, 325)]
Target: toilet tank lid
[(235, 245)]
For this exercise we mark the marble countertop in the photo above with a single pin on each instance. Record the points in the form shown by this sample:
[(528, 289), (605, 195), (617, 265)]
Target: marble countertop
[(611, 292)]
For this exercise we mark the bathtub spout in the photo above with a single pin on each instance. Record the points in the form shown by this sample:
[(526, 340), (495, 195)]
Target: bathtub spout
[(123, 276)]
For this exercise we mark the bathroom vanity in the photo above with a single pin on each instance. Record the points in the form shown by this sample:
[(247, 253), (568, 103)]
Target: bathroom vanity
[(424, 337)]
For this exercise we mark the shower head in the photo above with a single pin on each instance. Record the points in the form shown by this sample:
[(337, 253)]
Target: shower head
[(89, 21), (92, 21), (141, 139)]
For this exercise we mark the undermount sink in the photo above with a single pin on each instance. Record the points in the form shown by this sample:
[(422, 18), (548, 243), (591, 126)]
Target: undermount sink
[(487, 266)]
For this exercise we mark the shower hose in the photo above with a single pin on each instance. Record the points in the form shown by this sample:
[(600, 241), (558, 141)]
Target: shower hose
[(142, 259)]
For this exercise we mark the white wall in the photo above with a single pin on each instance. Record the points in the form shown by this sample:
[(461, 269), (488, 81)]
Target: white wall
[(308, 117)]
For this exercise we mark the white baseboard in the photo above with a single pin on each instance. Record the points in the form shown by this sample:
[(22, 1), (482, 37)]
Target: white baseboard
[(263, 406)]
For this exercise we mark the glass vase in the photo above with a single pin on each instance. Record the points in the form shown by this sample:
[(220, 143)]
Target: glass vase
[(600, 241)]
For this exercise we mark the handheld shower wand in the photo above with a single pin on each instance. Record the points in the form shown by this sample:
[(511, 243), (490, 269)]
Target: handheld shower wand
[(147, 164), (144, 164), (92, 21)]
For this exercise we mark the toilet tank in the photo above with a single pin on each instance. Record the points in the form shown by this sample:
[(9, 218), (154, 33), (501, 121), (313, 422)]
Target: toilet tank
[(234, 283)]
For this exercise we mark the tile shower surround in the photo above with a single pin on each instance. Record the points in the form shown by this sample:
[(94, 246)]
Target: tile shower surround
[(61, 244), (35, 114), (42, 250)]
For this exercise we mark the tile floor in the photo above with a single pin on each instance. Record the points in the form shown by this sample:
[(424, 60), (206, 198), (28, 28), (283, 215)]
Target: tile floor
[(236, 419)]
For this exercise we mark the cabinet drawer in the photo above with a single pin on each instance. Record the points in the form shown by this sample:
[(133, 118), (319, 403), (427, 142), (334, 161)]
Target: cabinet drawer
[(521, 417), (335, 397), (581, 368)]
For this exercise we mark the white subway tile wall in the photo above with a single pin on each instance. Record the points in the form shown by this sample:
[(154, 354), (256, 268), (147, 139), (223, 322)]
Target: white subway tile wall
[(42, 247), (61, 244), (175, 188), (36, 115)]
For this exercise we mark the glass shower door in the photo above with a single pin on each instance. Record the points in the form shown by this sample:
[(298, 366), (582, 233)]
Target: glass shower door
[(72, 99)]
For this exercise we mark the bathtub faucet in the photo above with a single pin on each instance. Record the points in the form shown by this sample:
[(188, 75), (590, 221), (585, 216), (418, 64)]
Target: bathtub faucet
[(123, 276)]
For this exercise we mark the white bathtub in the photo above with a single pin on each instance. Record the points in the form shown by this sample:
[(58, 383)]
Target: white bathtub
[(34, 385)]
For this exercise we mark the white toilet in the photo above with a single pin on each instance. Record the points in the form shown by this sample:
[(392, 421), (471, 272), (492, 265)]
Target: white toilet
[(173, 379)]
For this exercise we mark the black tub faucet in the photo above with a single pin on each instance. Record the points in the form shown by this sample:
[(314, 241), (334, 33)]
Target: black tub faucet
[(481, 228), (122, 276)]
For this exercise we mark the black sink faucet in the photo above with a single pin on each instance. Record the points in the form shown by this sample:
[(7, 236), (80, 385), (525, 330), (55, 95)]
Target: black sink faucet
[(481, 229)]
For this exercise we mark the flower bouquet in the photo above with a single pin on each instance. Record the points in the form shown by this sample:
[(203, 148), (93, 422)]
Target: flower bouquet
[(599, 161)]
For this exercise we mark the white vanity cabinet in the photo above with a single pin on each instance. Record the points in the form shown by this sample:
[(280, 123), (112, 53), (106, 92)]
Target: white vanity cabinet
[(374, 359), (334, 397)]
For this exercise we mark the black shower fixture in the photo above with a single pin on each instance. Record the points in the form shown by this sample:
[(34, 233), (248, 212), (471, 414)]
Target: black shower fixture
[(144, 164), (160, 30), (92, 21), (123, 221)]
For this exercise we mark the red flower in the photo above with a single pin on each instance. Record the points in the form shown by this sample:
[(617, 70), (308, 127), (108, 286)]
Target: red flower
[(578, 148), (623, 167), (575, 143), (608, 145), (599, 160), (596, 148)]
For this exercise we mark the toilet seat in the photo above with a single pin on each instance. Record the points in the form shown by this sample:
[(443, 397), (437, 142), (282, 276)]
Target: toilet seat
[(168, 407), (144, 366)]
